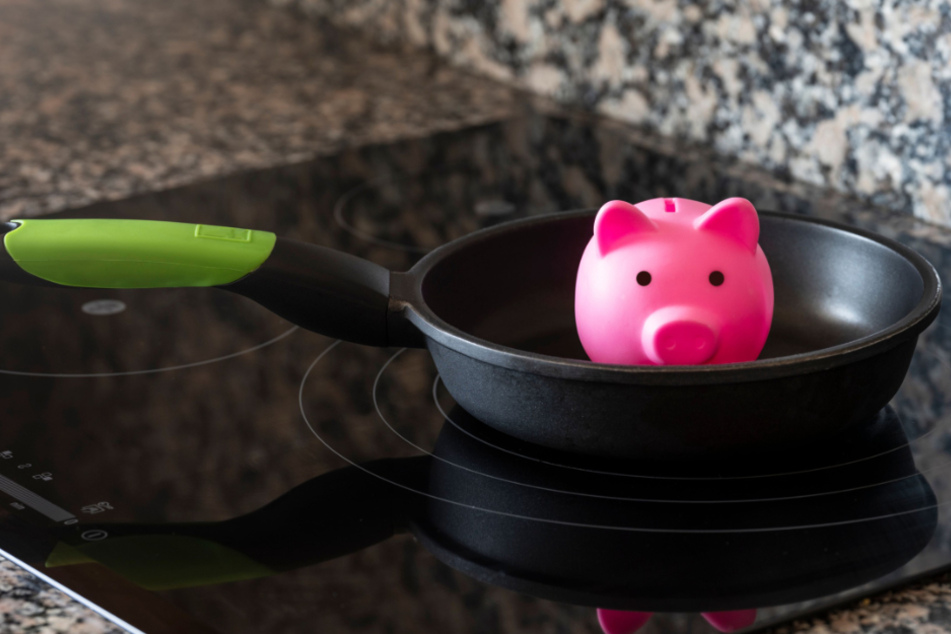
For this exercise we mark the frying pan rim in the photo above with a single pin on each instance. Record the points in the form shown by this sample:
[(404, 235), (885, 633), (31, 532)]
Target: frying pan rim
[(438, 331)]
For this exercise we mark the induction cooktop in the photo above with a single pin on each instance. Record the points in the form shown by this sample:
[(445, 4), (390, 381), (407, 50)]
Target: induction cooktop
[(184, 460)]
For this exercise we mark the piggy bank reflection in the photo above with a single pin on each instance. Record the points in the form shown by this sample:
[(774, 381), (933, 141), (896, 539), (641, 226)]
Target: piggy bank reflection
[(671, 281)]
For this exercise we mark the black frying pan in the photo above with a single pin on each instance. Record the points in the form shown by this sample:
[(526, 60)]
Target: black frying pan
[(495, 309)]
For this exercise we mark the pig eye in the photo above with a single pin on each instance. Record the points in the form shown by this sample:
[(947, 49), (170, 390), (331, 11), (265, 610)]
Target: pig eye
[(716, 278), (643, 278)]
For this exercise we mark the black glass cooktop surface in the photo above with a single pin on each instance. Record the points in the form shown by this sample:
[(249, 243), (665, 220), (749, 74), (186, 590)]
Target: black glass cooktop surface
[(185, 460)]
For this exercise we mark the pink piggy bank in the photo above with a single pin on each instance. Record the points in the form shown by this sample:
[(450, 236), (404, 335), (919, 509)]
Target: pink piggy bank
[(671, 281)]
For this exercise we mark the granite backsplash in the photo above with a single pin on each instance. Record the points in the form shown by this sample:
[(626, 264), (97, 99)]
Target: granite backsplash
[(852, 94)]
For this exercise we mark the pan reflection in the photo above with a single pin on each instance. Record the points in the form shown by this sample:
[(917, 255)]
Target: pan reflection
[(584, 533)]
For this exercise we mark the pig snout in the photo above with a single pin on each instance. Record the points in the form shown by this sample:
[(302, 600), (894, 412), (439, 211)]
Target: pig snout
[(680, 335)]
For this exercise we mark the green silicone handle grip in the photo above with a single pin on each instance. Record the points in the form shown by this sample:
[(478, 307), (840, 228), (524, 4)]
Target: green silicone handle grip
[(163, 562), (99, 253)]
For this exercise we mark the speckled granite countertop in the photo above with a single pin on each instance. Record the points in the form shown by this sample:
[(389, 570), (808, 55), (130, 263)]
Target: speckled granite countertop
[(920, 607), (29, 605), (103, 100)]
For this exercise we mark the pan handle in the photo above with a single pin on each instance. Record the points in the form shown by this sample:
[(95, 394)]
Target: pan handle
[(322, 290), (332, 515)]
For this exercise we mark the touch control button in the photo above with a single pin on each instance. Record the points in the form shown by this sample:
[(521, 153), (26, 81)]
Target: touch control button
[(95, 535)]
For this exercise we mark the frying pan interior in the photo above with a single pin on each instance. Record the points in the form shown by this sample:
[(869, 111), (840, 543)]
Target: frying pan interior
[(516, 288)]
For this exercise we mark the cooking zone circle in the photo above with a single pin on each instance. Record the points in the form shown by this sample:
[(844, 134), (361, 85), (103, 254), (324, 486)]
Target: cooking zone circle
[(712, 490), (79, 333)]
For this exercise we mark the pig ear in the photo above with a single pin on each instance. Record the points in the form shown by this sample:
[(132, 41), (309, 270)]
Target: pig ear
[(618, 219), (734, 218)]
